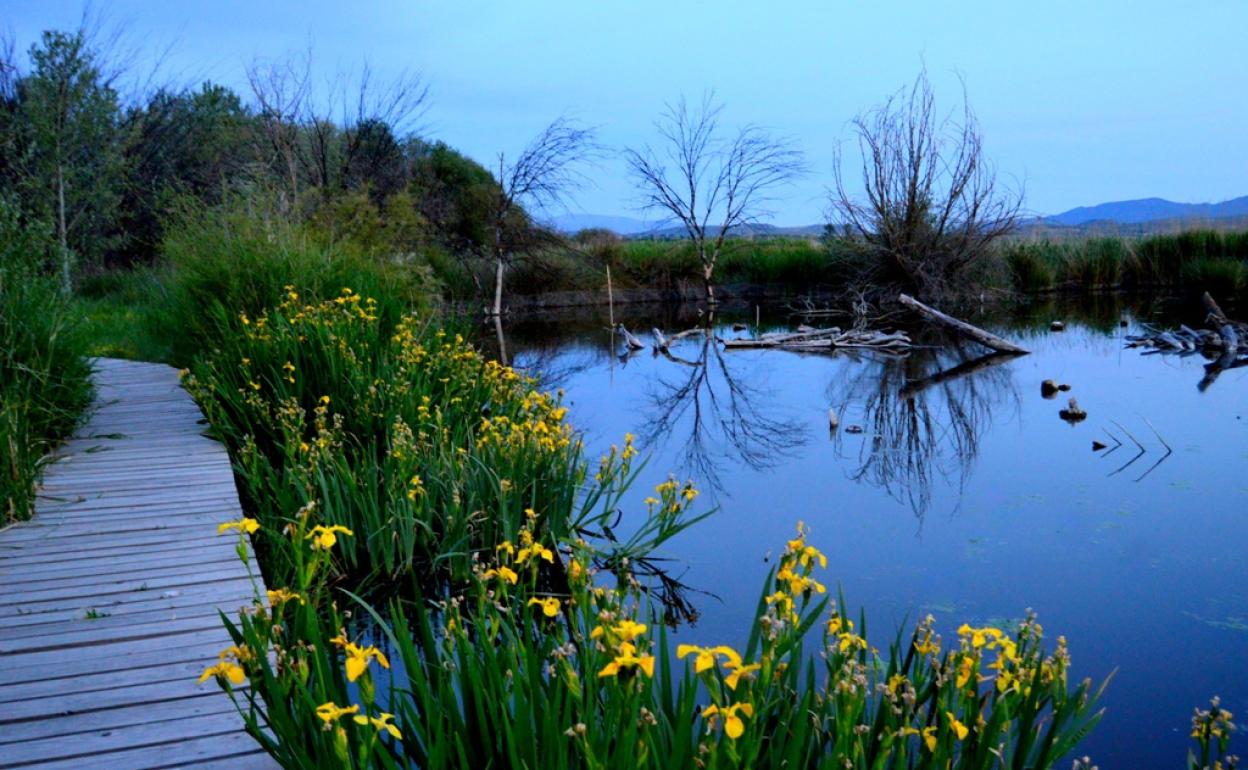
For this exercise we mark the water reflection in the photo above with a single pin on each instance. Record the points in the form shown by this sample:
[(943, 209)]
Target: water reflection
[(924, 415), (715, 414)]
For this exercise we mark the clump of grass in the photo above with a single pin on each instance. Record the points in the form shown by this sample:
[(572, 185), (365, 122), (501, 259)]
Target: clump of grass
[(1032, 267), (44, 376), (240, 256), (1218, 275), (1095, 263)]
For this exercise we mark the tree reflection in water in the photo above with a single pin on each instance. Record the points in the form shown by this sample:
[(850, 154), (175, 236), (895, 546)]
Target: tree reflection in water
[(923, 416), (719, 416)]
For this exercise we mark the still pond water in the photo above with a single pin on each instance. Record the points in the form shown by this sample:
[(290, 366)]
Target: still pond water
[(967, 498)]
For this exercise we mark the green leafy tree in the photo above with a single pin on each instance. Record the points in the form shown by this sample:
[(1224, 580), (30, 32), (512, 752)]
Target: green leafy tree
[(71, 159)]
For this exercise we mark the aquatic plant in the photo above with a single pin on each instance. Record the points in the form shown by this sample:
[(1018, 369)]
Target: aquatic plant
[(520, 671)]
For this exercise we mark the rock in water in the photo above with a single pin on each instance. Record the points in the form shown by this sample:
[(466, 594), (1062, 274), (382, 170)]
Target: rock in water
[(739, 327), (1072, 413), (853, 429), (1057, 326)]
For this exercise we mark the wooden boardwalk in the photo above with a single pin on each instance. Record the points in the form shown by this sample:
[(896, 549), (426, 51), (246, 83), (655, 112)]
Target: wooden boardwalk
[(110, 593)]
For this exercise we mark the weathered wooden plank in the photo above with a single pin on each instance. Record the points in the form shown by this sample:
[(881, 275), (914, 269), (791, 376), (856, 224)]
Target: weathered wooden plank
[(89, 633), (11, 574), (183, 670), (202, 647), (190, 525), (63, 548), (136, 612), (228, 595), (72, 726), (154, 583), (116, 739), (236, 748), (106, 576)]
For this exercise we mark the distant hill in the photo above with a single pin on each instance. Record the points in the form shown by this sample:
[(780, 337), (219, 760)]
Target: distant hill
[(1123, 218), (572, 223), (1148, 210)]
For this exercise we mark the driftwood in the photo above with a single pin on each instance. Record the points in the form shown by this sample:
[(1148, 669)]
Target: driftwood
[(1224, 343), (827, 340), (1224, 339), (985, 338)]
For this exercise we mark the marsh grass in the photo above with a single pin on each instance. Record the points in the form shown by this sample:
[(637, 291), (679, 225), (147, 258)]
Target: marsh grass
[(239, 258), (44, 376)]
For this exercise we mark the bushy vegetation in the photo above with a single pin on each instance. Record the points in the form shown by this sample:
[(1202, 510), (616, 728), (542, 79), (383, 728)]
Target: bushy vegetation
[(44, 377)]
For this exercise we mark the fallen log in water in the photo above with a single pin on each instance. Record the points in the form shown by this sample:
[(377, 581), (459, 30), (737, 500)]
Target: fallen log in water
[(1223, 339), (827, 339), (985, 338)]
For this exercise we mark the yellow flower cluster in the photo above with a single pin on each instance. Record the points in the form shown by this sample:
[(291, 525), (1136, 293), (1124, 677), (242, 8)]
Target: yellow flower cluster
[(621, 640)]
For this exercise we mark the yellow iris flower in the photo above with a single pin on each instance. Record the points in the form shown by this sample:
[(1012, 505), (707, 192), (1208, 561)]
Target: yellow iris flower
[(358, 657), (226, 669), (502, 573), (380, 722), (323, 538), (959, 729), (244, 524), (330, 712), (733, 725), (550, 605), (280, 596)]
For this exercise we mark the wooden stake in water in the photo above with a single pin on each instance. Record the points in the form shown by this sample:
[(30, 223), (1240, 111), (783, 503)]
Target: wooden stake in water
[(610, 299)]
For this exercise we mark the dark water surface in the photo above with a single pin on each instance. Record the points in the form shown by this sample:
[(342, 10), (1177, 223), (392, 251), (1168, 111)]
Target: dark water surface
[(967, 498)]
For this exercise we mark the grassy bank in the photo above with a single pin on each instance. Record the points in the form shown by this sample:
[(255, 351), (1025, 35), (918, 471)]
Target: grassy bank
[(44, 378)]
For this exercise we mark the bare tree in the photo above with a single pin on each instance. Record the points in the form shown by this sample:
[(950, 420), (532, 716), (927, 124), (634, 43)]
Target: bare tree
[(709, 183), (281, 88), (931, 205), (540, 177)]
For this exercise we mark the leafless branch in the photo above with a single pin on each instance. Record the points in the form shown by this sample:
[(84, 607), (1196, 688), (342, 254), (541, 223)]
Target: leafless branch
[(711, 184), (931, 204)]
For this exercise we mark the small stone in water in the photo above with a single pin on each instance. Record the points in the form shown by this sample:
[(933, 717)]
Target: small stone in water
[(1057, 326), (853, 429)]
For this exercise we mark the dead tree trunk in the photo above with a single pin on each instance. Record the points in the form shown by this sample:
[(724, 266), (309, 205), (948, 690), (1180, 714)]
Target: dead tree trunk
[(985, 338)]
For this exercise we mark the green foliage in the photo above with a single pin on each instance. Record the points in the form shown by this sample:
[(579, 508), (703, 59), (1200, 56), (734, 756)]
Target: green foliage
[(44, 378), (123, 312), (70, 160), (241, 255)]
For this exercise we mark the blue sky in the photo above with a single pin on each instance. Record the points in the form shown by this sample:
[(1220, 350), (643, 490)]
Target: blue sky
[(1083, 102)]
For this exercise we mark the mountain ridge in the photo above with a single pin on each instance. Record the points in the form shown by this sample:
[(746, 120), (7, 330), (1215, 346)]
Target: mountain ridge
[(1138, 214)]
